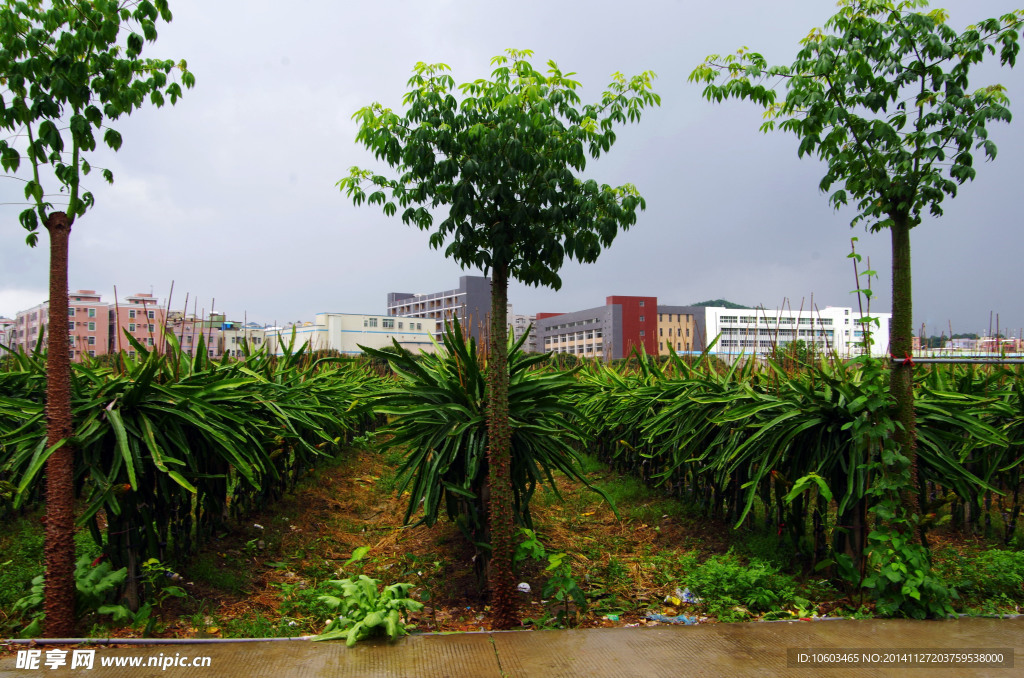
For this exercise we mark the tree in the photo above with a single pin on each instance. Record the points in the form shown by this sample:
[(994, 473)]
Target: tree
[(505, 162), (68, 67), (882, 97)]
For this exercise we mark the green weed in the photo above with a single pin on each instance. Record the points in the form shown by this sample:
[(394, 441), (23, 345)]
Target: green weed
[(732, 590), (217, 572)]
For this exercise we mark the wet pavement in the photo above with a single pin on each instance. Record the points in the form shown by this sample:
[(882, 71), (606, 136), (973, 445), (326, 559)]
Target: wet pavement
[(881, 648)]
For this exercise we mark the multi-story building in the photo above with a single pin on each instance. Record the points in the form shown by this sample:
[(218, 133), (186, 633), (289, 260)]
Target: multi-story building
[(233, 338), (346, 332), (610, 332), (139, 316), (470, 302), (623, 324), (756, 331), (6, 333), (88, 328), (677, 330), (217, 335), (520, 324)]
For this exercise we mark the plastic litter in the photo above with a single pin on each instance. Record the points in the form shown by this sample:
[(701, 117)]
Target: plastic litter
[(612, 617), (523, 587), (679, 619), (688, 596)]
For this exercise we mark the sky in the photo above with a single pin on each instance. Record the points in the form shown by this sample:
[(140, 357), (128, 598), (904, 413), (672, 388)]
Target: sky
[(230, 195)]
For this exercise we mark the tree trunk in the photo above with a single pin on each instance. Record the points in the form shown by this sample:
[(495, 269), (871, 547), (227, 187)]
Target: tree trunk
[(59, 587), (500, 508), (901, 377)]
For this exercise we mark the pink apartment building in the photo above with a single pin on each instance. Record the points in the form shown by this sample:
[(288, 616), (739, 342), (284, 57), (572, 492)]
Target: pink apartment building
[(141, 316), (87, 325), (95, 327)]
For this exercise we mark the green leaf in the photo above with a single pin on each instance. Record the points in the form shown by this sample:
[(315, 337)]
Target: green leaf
[(112, 139)]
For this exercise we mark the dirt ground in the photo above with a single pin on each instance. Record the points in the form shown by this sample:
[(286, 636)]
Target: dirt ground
[(275, 560)]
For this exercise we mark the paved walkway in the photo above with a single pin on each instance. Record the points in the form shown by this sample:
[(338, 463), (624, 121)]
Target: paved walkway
[(753, 649)]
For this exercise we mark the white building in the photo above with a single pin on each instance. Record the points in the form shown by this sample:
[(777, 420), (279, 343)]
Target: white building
[(758, 330), (519, 324), (345, 332), (6, 334)]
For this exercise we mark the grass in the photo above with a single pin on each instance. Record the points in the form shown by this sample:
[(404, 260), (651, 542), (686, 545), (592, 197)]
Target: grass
[(219, 572), (22, 547)]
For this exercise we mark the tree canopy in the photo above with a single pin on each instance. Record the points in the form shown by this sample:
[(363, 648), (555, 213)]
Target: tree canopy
[(504, 156)]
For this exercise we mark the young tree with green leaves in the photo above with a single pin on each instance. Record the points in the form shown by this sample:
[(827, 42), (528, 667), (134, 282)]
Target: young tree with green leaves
[(504, 156), (882, 96), (67, 68)]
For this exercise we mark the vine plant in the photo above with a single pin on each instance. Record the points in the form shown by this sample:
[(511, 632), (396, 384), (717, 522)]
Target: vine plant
[(897, 567)]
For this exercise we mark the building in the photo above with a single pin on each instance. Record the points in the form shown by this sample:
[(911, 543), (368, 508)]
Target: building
[(608, 332), (88, 325), (139, 316), (6, 334), (757, 331), (623, 324), (470, 302), (677, 330), (219, 336), (614, 330), (233, 338), (520, 324), (346, 332)]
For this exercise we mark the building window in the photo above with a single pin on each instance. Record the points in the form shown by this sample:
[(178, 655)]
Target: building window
[(149, 341), (661, 331), (131, 326), (92, 327), (641, 333), (151, 328), (399, 324), (373, 322), (92, 312), (71, 325), (641, 304), (419, 326), (131, 313), (131, 354), (641, 317), (387, 323), (92, 354), (71, 311), (151, 314), (91, 341)]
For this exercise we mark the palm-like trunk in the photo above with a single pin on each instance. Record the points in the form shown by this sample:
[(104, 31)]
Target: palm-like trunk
[(901, 380), (499, 456), (59, 587)]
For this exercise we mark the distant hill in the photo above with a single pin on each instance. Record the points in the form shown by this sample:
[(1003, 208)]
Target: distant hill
[(719, 302)]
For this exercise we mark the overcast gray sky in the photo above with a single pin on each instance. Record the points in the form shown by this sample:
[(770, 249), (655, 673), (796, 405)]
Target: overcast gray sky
[(231, 194)]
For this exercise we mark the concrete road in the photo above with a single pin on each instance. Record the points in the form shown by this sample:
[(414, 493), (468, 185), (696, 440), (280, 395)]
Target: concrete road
[(881, 648)]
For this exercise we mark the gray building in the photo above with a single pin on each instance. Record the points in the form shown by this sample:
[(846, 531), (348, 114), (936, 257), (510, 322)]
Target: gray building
[(470, 302)]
